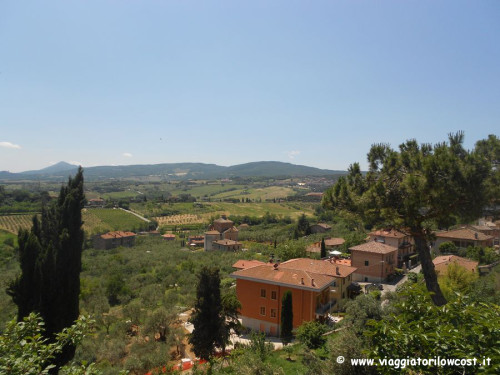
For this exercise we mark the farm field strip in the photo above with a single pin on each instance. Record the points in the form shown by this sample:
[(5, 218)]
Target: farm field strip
[(106, 219), (12, 223)]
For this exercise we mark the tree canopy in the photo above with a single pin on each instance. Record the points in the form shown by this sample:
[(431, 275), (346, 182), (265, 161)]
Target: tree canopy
[(50, 259), (417, 188), (214, 316), (25, 351)]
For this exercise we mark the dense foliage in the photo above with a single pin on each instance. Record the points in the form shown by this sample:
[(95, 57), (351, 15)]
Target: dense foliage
[(417, 187), (24, 350), (462, 329), (50, 258)]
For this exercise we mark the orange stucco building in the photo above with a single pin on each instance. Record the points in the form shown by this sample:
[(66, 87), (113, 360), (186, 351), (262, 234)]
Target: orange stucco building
[(316, 286), (374, 261)]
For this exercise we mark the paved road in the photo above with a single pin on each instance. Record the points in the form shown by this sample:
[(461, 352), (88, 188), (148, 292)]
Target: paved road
[(136, 214), (392, 287)]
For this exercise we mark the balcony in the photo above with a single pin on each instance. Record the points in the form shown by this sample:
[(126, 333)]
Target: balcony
[(323, 309)]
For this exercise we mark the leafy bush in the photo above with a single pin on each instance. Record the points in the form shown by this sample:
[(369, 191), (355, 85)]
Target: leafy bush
[(311, 334)]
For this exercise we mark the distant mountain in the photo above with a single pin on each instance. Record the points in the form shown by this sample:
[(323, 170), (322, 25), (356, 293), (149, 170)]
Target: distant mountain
[(62, 166), (174, 171), (275, 168)]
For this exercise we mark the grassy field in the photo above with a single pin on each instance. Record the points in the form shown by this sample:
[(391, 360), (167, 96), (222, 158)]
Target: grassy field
[(269, 192), (98, 220), (121, 194), (293, 210), (12, 223), (4, 235)]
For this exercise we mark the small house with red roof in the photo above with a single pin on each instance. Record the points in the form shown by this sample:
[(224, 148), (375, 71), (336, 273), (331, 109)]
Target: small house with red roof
[(114, 239), (222, 235), (401, 240), (374, 261), (463, 238), (442, 262)]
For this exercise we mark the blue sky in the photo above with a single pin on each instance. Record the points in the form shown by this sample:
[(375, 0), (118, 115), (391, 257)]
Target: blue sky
[(228, 82)]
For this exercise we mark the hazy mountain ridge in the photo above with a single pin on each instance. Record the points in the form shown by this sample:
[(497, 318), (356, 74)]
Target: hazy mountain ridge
[(174, 171)]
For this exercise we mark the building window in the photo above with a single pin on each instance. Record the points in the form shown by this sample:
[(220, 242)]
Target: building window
[(273, 313), (273, 294), (263, 293), (366, 263), (366, 279), (263, 311), (349, 278), (343, 294)]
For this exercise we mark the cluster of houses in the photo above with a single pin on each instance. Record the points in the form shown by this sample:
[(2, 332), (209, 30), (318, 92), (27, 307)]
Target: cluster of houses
[(319, 285), (221, 235)]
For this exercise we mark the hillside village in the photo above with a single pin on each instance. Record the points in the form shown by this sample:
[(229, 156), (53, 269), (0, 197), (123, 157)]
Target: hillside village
[(140, 272)]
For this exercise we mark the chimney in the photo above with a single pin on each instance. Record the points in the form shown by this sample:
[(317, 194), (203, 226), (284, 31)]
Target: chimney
[(312, 282), (275, 266), (302, 280), (475, 235), (337, 270)]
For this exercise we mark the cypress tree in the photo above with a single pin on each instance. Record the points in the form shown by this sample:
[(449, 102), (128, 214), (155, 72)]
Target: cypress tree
[(50, 259), (323, 248), (208, 318), (286, 325)]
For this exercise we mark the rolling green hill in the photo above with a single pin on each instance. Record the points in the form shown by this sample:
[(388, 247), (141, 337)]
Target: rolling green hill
[(175, 171)]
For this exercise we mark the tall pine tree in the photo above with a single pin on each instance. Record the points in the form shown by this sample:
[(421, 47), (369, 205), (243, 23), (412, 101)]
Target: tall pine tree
[(50, 259), (417, 188)]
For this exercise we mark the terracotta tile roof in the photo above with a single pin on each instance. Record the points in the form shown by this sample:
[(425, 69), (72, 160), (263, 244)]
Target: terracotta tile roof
[(313, 248), (168, 235), (464, 234), (394, 233), (244, 264), (324, 267), (117, 234), (346, 262), (222, 220), (374, 247), (482, 227), (213, 232), (285, 276), (334, 241), (232, 229), (316, 246), (441, 263)]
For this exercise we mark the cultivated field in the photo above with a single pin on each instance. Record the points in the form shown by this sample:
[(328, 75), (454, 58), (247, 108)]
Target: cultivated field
[(215, 209), (12, 223), (98, 220)]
